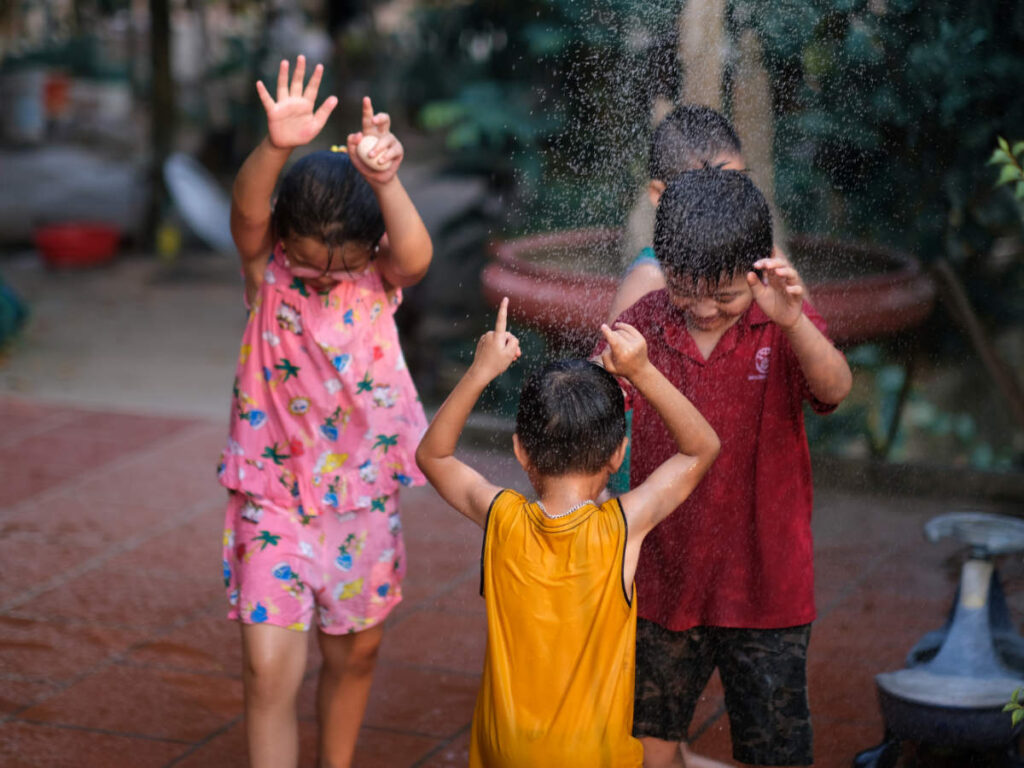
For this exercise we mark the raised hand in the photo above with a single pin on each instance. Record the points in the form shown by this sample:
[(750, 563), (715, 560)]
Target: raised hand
[(626, 353), (387, 152), (781, 293), (497, 349), (291, 119)]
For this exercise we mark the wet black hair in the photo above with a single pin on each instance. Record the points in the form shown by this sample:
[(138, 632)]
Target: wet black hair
[(689, 138), (571, 418), (323, 196), (711, 225)]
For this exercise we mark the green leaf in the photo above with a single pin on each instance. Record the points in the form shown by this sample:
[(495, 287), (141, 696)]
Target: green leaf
[(1015, 699), (1010, 707), (1003, 144), (1019, 193), (439, 115), (1018, 148), (1016, 717), (1007, 174), (999, 156)]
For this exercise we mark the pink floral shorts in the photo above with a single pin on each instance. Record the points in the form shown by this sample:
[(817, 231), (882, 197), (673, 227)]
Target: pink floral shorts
[(280, 564)]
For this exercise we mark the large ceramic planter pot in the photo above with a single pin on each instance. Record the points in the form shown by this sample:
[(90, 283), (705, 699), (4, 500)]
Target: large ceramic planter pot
[(562, 283)]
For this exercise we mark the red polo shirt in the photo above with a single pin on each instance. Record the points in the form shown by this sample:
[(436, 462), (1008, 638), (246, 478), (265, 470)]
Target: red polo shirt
[(738, 552)]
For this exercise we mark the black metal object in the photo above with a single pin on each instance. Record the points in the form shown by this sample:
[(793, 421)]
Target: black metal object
[(959, 677)]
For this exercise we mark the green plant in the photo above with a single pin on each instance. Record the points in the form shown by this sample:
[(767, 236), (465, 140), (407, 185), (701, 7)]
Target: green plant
[(548, 98), (1010, 159), (1016, 707)]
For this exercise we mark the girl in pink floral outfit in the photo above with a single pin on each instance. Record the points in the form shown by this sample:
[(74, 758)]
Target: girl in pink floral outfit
[(325, 419)]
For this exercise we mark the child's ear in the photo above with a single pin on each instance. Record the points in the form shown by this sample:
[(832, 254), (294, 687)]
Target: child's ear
[(618, 457), (655, 189), (521, 457)]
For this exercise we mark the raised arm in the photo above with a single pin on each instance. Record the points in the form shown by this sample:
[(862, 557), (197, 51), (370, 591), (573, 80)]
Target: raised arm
[(669, 485), (459, 484), (781, 297), (405, 250), (291, 122), (642, 278)]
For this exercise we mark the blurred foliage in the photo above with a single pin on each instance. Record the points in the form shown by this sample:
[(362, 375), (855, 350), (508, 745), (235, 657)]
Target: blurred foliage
[(964, 436), (548, 98), (1009, 161), (887, 110)]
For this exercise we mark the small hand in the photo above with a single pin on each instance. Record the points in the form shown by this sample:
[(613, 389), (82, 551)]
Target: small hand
[(291, 120), (388, 151), (781, 293), (497, 349), (626, 353)]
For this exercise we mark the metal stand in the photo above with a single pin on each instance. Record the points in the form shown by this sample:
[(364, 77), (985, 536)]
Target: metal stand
[(958, 678)]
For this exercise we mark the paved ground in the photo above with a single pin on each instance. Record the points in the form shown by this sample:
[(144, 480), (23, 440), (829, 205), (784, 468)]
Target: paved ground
[(113, 646), (114, 650)]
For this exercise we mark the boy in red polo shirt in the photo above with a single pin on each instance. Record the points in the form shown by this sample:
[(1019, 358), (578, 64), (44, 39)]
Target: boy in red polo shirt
[(727, 581)]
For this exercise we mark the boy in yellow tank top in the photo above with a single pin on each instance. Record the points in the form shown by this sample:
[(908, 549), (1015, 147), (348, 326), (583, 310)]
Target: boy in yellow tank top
[(557, 573)]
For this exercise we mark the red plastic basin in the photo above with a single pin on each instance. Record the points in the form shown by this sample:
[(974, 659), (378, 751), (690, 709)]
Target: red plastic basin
[(77, 244)]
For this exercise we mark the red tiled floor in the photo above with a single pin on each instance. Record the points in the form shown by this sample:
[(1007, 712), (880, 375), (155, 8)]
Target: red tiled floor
[(421, 701), (438, 640), (193, 548), (122, 596), (18, 694), (38, 745), (209, 643), (142, 702), (132, 653), (22, 418), (452, 754), (73, 516), (57, 653), (463, 597), (18, 484)]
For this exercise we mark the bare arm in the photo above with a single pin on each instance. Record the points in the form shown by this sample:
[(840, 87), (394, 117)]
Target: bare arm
[(781, 297), (459, 484), (291, 122), (406, 250), (639, 281), (671, 483)]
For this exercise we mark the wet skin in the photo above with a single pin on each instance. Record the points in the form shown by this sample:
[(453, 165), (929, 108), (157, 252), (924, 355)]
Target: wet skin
[(710, 310)]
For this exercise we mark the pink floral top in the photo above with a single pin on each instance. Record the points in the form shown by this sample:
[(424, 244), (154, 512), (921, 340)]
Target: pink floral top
[(324, 411)]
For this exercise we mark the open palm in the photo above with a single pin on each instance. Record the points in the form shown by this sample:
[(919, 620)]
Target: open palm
[(291, 119)]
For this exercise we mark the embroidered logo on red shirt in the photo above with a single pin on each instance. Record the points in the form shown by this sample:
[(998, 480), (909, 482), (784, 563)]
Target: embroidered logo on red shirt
[(762, 359)]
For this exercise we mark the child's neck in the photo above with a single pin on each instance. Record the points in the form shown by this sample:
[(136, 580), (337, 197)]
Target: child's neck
[(559, 494), (706, 341)]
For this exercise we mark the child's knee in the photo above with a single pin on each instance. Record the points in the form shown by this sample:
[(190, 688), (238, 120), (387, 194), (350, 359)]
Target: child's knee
[(354, 654), (270, 674)]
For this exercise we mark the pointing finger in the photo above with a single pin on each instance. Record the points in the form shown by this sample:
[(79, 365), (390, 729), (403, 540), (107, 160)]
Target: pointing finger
[(502, 321), (367, 114)]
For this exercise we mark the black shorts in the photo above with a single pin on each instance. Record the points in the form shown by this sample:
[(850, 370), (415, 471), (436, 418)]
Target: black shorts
[(764, 674)]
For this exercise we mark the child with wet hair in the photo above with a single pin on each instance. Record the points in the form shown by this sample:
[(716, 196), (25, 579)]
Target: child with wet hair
[(557, 572), (691, 137), (324, 418), (727, 581)]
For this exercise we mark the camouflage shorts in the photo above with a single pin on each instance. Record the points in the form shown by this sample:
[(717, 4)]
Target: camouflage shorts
[(764, 674)]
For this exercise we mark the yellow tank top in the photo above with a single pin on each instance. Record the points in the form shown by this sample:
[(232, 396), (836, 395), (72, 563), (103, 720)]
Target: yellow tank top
[(557, 687)]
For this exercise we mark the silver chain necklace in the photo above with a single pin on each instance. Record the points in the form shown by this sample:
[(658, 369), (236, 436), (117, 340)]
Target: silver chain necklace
[(567, 512)]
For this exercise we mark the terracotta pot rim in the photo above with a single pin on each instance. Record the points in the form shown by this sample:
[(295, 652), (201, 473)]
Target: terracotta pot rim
[(509, 251)]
